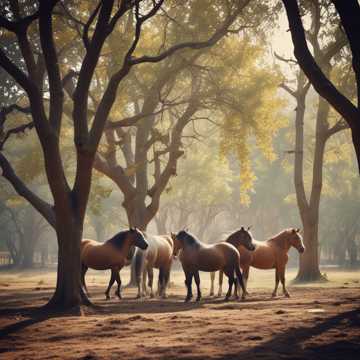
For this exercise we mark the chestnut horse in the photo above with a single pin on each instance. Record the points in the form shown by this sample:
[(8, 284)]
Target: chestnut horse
[(158, 255), (196, 256), (112, 254), (270, 254), (238, 238)]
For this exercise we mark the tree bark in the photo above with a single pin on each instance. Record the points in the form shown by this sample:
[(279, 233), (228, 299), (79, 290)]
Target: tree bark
[(68, 293), (309, 261)]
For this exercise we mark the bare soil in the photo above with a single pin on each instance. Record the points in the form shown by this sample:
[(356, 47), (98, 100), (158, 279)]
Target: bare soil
[(321, 321)]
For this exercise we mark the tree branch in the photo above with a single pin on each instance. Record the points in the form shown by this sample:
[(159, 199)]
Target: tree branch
[(40, 205)]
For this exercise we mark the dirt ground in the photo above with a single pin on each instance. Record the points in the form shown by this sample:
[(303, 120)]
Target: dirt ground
[(321, 321)]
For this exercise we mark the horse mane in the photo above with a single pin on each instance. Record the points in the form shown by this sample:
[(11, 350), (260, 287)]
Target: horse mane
[(191, 240), (118, 239), (279, 238)]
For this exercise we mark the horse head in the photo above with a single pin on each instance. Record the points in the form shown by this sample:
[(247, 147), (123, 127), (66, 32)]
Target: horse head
[(242, 237), (296, 240), (177, 245), (138, 238)]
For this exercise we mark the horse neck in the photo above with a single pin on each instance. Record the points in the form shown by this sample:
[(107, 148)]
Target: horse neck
[(231, 240), (281, 241), (128, 242)]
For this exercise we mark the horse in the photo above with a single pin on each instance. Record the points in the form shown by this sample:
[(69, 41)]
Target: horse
[(158, 255), (270, 254), (196, 256), (238, 238), (112, 254)]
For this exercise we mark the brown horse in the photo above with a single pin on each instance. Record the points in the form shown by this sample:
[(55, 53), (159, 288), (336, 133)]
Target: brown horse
[(158, 255), (196, 256), (270, 254), (239, 239), (112, 254)]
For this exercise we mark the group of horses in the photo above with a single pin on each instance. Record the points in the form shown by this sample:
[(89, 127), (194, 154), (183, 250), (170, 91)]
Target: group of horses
[(233, 256)]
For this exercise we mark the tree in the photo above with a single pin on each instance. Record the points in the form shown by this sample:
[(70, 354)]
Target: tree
[(349, 12), (309, 205), (96, 24)]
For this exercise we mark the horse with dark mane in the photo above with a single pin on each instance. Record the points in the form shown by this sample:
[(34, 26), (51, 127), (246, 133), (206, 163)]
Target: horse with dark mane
[(113, 254), (270, 254), (196, 256), (239, 238)]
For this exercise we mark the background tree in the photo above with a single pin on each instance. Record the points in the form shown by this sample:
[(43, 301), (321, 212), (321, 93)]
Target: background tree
[(349, 13), (70, 195)]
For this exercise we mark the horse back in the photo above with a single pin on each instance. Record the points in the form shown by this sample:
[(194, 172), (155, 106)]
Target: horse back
[(101, 256), (215, 257), (264, 255), (162, 248)]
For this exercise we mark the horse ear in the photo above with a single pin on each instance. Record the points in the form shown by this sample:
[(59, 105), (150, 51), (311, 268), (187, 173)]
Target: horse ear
[(294, 231), (242, 228), (298, 230), (249, 227)]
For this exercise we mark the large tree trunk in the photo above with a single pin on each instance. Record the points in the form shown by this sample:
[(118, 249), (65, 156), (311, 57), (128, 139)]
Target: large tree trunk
[(68, 293), (136, 217), (309, 260), (309, 210)]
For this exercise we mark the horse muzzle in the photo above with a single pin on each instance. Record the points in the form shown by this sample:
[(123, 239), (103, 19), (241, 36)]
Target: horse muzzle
[(301, 250), (143, 246)]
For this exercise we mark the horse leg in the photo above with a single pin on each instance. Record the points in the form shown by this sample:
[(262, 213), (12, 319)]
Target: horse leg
[(240, 281), (282, 279), (246, 277), (161, 280), (276, 282), (212, 280), (150, 280), (84, 269), (165, 282), (197, 282), (118, 280), (221, 277), (111, 282), (188, 283), (230, 276)]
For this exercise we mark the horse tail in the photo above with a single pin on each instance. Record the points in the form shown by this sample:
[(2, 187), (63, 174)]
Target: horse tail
[(239, 276), (139, 260)]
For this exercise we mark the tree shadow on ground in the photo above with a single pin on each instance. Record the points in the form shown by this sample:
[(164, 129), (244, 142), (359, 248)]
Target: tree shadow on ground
[(290, 344)]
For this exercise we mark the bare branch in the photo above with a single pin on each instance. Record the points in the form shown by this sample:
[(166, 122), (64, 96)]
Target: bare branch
[(40, 205)]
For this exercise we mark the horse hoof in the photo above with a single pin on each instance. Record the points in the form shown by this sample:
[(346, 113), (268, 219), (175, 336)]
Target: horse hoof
[(273, 295), (187, 299), (287, 295), (198, 299), (152, 296), (211, 294), (107, 297), (227, 298)]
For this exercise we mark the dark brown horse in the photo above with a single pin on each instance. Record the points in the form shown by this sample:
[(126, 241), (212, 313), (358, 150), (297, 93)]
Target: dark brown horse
[(271, 254), (112, 254), (196, 256), (239, 238)]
